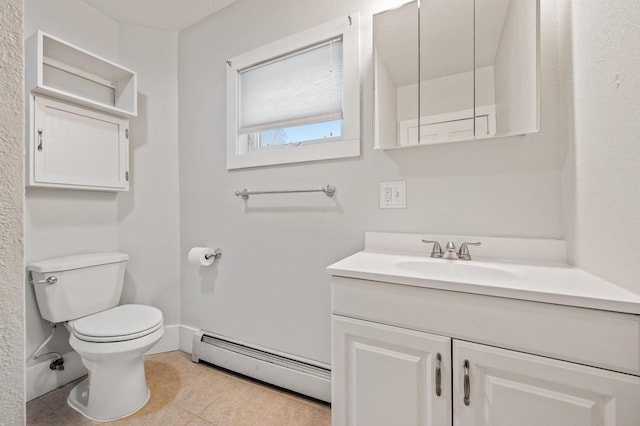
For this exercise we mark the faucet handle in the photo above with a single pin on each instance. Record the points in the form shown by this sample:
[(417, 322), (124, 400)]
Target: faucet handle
[(463, 252), (437, 249)]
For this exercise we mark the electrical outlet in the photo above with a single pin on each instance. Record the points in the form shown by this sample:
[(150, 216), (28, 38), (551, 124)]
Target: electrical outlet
[(393, 195)]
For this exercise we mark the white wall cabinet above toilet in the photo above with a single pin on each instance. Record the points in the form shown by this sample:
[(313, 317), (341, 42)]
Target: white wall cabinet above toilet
[(74, 147), (78, 117)]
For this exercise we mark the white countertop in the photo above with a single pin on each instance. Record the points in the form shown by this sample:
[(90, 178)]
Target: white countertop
[(540, 281)]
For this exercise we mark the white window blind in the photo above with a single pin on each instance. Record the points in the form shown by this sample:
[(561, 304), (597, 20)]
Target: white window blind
[(300, 88)]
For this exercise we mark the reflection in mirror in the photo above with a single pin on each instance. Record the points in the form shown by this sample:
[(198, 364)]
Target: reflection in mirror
[(507, 48), (446, 74), (395, 40), (490, 72)]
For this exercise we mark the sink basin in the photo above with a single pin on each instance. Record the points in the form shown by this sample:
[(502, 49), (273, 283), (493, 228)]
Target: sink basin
[(447, 270)]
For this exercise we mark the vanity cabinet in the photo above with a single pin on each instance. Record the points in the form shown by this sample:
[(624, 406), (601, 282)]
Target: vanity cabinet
[(514, 388), (386, 375), (503, 361)]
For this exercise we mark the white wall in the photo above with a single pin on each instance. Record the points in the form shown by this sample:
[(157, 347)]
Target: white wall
[(269, 287), (148, 215), (601, 174), (11, 214), (142, 222)]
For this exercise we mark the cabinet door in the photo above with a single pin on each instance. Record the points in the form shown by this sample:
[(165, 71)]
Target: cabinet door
[(385, 375), (509, 388), (77, 148)]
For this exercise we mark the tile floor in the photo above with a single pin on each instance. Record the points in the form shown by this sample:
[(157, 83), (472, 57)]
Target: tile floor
[(185, 393)]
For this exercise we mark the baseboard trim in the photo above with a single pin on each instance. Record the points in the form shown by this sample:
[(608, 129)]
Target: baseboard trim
[(169, 341), (186, 338), (291, 372)]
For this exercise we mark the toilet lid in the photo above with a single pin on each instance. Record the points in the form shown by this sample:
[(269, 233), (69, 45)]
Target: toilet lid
[(125, 322)]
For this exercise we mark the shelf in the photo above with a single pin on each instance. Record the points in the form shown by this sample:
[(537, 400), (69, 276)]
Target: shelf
[(60, 70)]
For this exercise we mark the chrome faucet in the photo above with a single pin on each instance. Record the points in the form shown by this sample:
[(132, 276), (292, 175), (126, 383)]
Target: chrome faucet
[(450, 250)]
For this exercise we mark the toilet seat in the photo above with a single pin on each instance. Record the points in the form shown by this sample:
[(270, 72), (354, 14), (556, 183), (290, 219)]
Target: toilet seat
[(122, 323)]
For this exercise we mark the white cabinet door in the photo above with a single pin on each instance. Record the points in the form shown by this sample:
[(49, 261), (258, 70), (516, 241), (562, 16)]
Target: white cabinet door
[(387, 376), (77, 148), (509, 388)]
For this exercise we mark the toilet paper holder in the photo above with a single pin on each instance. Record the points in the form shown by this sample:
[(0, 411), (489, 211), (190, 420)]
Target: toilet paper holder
[(216, 253)]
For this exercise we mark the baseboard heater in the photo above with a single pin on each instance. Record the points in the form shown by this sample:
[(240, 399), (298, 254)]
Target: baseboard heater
[(284, 370)]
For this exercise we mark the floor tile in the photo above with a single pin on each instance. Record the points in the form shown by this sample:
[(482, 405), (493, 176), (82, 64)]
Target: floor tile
[(241, 404), (198, 421), (286, 411)]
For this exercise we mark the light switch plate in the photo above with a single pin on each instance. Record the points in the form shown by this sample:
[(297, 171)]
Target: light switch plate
[(393, 195)]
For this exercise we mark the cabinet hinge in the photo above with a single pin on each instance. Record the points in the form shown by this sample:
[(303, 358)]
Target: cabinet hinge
[(126, 133), (126, 176)]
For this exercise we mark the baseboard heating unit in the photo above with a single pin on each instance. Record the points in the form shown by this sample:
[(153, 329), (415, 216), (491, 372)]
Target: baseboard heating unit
[(285, 370)]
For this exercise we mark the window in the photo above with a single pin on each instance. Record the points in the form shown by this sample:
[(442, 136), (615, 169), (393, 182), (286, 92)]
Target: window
[(296, 99)]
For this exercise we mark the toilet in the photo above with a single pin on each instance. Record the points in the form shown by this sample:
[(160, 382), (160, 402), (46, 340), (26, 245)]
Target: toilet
[(83, 292)]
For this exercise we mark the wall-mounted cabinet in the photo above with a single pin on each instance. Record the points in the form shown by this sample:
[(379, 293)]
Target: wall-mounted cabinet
[(76, 148), (78, 109), (455, 70), (58, 69)]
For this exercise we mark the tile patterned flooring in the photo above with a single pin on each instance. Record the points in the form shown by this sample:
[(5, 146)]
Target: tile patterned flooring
[(185, 393)]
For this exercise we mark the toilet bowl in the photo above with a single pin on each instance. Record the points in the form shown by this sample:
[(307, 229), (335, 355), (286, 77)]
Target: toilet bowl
[(111, 344), (83, 292)]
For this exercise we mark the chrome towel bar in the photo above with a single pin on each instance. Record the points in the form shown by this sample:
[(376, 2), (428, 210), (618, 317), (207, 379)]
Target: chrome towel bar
[(328, 189)]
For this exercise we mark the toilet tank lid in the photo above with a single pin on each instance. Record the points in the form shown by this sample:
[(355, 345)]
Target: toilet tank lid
[(77, 261)]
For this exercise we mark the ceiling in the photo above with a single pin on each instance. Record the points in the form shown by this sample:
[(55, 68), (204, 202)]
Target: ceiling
[(173, 15)]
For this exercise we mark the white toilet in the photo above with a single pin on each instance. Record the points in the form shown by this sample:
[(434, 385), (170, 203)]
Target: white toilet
[(83, 292)]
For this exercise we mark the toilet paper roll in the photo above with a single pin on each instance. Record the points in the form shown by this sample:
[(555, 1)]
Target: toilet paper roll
[(197, 256)]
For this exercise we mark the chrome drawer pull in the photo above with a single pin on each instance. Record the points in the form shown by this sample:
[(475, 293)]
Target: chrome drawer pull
[(467, 383), (438, 375)]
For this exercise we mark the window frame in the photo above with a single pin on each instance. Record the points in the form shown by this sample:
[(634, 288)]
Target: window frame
[(238, 154)]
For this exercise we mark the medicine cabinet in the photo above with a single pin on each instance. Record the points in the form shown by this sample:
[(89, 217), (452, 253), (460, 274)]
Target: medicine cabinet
[(78, 117), (455, 70)]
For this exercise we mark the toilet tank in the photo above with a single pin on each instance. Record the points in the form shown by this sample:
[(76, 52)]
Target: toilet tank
[(84, 284)]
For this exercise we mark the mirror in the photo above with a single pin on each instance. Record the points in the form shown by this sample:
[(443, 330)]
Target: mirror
[(446, 73), (507, 54), (477, 63), (395, 53)]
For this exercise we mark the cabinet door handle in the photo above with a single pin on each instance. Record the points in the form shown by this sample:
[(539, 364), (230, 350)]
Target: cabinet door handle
[(467, 383), (39, 139), (438, 375)]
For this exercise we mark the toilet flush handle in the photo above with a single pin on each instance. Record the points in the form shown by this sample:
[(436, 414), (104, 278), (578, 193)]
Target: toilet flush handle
[(50, 280)]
